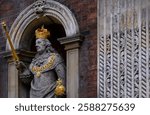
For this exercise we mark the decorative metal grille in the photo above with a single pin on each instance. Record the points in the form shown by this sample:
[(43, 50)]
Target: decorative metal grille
[(124, 48)]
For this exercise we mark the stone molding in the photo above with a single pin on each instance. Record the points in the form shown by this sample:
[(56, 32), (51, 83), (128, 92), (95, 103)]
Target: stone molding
[(71, 42)]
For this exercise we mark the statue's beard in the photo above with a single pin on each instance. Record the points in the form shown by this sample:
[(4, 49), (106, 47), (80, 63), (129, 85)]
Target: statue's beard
[(40, 51)]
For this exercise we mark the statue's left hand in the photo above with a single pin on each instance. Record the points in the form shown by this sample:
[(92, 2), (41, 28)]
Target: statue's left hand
[(60, 89)]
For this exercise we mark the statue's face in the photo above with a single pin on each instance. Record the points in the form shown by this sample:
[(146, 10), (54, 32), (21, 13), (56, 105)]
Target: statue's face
[(40, 45)]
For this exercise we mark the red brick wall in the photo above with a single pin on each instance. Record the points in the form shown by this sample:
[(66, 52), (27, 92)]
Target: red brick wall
[(9, 10), (85, 12)]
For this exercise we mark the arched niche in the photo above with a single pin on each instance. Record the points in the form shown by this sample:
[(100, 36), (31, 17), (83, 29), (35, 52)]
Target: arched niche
[(62, 24), (46, 8)]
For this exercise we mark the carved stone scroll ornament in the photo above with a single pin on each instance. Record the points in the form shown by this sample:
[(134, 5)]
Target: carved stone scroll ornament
[(39, 6), (125, 67), (101, 69), (108, 66)]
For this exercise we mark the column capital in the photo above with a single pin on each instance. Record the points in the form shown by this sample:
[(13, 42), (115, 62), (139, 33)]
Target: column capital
[(71, 42)]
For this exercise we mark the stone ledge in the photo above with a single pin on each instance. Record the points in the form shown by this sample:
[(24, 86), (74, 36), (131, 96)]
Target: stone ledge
[(71, 42), (21, 53)]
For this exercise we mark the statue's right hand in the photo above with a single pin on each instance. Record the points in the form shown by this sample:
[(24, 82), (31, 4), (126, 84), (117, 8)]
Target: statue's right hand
[(20, 65)]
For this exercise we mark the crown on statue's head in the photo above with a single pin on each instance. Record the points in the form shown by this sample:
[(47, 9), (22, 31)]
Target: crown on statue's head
[(42, 33)]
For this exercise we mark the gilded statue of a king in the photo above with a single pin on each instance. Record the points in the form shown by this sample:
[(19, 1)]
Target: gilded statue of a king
[(47, 69)]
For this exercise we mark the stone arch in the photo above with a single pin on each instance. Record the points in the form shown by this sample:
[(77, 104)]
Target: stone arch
[(45, 8)]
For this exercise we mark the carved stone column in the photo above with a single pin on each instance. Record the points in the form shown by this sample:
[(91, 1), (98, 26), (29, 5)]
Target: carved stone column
[(15, 87), (72, 45)]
